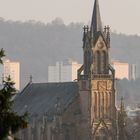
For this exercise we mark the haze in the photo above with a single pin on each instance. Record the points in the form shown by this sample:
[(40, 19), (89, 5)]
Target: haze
[(122, 15)]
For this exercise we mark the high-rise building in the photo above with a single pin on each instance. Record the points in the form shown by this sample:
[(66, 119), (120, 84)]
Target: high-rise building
[(12, 69), (124, 70), (63, 71), (121, 69)]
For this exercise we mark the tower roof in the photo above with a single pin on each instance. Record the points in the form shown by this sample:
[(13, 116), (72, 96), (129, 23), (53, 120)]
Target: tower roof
[(96, 24)]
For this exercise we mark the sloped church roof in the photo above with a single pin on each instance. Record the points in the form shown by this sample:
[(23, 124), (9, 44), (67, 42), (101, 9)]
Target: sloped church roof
[(41, 98)]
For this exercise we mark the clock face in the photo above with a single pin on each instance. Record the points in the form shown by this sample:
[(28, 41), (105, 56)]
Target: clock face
[(100, 45), (102, 85)]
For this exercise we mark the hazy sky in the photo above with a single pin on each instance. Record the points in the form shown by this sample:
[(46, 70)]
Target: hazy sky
[(122, 15)]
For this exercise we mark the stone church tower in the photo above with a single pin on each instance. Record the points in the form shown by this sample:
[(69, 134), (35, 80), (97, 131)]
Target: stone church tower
[(96, 81), (79, 110)]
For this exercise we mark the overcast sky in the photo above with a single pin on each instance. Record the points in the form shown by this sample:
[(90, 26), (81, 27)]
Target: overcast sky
[(122, 15)]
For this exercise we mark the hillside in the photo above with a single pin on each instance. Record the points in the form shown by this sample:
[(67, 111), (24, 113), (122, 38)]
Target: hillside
[(36, 45)]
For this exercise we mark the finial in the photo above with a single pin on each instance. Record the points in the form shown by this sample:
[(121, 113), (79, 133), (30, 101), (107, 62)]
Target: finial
[(31, 79), (87, 28), (105, 28), (108, 28), (84, 29)]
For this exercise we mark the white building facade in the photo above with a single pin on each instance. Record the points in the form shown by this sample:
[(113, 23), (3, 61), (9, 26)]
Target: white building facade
[(12, 69), (121, 69), (63, 71), (124, 70)]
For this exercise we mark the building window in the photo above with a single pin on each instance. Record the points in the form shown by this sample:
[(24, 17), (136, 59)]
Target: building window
[(104, 62), (85, 62), (98, 62)]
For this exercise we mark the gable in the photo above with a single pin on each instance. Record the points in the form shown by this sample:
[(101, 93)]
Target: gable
[(100, 43), (99, 37)]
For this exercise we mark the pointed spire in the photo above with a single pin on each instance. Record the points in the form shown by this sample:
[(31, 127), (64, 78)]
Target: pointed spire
[(96, 24)]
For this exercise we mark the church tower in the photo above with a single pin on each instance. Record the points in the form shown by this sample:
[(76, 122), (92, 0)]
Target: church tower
[(96, 80)]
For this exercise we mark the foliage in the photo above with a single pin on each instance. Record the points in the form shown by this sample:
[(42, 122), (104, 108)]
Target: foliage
[(1, 55), (9, 120), (122, 116)]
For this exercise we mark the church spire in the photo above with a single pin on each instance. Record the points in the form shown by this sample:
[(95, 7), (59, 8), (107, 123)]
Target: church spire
[(96, 24)]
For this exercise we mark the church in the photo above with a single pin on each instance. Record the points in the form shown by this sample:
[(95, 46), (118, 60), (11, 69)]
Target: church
[(80, 110)]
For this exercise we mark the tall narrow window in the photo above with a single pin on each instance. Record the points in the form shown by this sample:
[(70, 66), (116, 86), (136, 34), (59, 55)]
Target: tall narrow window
[(103, 62), (88, 61), (85, 62), (98, 62)]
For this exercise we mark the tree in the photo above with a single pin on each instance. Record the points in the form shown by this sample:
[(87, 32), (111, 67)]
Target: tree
[(123, 134), (10, 122)]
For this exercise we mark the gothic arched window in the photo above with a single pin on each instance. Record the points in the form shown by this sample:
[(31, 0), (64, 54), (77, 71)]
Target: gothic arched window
[(88, 60), (104, 62), (98, 62), (85, 62)]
